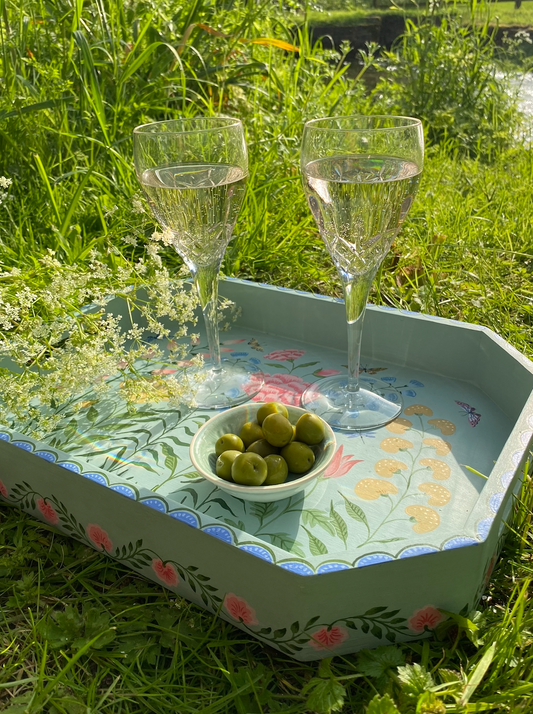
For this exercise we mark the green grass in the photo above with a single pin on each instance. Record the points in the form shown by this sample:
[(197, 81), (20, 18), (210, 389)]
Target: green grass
[(75, 79), (503, 13)]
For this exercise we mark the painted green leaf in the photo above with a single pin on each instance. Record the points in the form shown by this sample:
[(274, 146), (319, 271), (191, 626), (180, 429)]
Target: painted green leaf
[(375, 610), (354, 511), (280, 633), (313, 517), (307, 364), (92, 415), (316, 547), (339, 524)]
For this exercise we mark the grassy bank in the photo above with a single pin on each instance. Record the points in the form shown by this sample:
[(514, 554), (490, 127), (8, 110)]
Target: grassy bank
[(75, 79), (342, 15)]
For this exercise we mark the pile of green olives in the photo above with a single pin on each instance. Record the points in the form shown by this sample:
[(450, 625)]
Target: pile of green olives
[(266, 450)]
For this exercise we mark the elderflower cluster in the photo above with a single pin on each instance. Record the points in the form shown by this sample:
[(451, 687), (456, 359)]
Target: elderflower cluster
[(69, 334), (5, 183)]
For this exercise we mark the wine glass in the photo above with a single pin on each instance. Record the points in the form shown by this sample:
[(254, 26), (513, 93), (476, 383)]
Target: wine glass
[(193, 173), (360, 176)]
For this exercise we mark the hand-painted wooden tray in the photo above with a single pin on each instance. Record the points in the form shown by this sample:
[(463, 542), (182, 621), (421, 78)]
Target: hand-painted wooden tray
[(422, 501)]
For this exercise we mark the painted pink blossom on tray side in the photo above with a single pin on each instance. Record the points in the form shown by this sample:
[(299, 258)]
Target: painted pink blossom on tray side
[(239, 609), (328, 639), (3, 489), (285, 388), (327, 372), (165, 572), (426, 618), (284, 355), (47, 511), (99, 537), (340, 464)]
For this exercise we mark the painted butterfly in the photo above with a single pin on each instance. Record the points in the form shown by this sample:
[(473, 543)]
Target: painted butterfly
[(473, 417), (368, 370), (254, 344)]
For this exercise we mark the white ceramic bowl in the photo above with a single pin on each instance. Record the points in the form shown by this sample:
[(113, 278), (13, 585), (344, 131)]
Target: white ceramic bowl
[(202, 453)]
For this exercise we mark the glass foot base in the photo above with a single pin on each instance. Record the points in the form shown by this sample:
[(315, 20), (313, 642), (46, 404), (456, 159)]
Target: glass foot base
[(227, 387), (374, 405)]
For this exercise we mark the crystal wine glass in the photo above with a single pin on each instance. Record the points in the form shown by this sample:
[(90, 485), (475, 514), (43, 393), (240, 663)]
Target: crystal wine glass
[(193, 173), (360, 176)]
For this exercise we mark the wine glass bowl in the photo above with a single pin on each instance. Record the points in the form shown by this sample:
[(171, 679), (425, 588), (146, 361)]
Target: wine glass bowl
[(193, 173), (360, 176)]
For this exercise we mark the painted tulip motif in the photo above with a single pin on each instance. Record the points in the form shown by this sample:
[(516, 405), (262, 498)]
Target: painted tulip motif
[(427, 618), (239, 610), (326, 372), (3, 489), (328, 638), (47, 511), (165, 572), (99, 537), (284, 355), (340, 464)]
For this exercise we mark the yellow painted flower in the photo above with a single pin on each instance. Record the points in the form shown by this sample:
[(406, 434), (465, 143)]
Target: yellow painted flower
[(393, 444), (426, 518), (441, 470), (419, 409), (438, 495), (443, 425), (441, 447), (388, 467), (369, 489), (399, 425)]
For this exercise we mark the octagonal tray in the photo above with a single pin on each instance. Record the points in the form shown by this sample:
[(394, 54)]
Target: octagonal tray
[(404, 526)]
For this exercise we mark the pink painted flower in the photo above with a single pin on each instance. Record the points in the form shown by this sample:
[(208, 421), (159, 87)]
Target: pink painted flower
[(327, 372), (3, 489), (122, 364), (284, 355), (238, 608), (172, 345), (47, 511), (164, 370), (232, 342), (340, 464), (99, 537), (285, 388), (165, 572), (328, 638), (427, 618)]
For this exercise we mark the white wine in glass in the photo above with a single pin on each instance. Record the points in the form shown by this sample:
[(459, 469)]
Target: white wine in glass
[(360, 176), (193, 173)]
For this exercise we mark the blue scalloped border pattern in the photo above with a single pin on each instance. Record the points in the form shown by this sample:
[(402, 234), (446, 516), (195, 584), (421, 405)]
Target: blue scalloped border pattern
[(271, 554)]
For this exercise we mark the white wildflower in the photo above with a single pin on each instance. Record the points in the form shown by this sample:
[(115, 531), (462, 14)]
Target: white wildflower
[(5, 182)]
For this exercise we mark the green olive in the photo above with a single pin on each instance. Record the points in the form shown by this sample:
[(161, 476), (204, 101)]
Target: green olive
[(225, 462), (249, 469), (277, 470), (250, 432), (277, 429), (262, 447), (310, 429), (271, 408), (299, 457), (228, 442)]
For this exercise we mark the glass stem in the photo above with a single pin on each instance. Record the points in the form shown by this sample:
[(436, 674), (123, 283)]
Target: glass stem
[(205, 280), (355, 296)]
